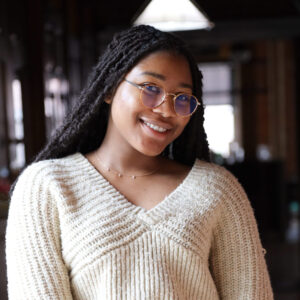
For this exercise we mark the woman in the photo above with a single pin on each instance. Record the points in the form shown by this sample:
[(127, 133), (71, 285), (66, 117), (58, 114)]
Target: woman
[(123, 202)]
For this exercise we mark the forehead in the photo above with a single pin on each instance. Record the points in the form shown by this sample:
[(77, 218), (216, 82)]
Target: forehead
[(166, 63)]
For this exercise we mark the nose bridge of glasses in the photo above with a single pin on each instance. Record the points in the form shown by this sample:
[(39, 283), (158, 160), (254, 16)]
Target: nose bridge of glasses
[(169, 94), (167, 106)]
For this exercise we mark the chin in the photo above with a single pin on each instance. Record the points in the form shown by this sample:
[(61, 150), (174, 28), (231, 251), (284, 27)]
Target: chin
[(151, 152)]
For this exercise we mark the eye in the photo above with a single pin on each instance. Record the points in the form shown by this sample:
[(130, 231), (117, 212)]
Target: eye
[(153, 89), (183, 98)]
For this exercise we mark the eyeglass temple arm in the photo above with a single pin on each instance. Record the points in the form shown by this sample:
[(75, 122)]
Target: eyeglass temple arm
[(134, 84)]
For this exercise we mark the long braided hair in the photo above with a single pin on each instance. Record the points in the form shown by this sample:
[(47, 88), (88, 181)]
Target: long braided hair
[(84, 128)]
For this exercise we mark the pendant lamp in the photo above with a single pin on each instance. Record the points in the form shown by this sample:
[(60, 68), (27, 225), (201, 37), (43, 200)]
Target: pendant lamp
[(173, 15)]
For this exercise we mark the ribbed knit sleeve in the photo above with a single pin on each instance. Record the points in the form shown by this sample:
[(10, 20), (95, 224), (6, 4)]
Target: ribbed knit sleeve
[(35, 267), (237, 258)]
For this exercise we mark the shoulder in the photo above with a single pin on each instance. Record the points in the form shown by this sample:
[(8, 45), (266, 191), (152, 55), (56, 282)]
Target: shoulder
[(216, 181), (221, 189), (52, 166), (43, 173), (212, 172), (43, 185)]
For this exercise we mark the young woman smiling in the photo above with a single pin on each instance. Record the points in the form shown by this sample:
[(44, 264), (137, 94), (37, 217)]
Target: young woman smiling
[(123, 202)]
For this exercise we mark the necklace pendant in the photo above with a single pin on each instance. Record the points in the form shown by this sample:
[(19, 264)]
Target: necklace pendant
[(108, 169)]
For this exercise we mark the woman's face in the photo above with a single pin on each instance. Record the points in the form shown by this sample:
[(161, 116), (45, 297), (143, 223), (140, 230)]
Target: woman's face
[(149, 130)]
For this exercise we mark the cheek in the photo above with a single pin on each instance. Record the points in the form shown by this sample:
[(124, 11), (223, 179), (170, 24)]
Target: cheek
[(124, 109), (127, 101)]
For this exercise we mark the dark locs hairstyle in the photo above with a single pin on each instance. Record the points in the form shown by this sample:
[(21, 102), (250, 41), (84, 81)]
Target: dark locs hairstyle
[(84, 128)]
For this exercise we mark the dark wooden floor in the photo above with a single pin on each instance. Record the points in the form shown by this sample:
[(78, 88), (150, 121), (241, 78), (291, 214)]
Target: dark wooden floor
[(283, 260)]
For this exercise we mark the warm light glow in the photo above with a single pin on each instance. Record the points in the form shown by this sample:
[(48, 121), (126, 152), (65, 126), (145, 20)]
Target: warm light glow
[(219, 127), (17, 150), (173, 15), (18, 109)]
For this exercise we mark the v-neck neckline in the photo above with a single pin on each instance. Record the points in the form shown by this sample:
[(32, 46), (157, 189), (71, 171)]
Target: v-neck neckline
[(163, 206)]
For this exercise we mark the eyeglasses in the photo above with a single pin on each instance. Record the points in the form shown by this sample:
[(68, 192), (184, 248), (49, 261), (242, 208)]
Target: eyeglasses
[(153, 96)]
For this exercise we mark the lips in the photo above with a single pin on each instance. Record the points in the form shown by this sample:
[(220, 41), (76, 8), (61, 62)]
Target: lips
[(155, 127)]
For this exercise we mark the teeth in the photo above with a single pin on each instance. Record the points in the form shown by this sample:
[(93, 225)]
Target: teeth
[(156, 128)]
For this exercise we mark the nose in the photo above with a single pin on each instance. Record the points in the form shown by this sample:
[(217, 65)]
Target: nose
[(166, 108)]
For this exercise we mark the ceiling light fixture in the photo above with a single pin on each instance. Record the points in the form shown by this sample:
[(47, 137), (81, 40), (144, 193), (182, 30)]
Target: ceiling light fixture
[(173, 15)]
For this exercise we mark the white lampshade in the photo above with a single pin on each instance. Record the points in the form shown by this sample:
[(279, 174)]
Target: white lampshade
[(173, 15)]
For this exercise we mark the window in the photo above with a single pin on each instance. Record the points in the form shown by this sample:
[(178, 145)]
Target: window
[(219, 109), (56, 89), (16, 133)]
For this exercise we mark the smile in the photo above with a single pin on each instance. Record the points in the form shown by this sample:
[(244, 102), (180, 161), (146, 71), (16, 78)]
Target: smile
[(155, 127)]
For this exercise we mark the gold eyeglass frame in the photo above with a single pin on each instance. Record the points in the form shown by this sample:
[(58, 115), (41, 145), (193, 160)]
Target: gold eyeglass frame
[(164, 99)]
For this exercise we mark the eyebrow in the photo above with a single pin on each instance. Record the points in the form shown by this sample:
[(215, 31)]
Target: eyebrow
[(162, 77)]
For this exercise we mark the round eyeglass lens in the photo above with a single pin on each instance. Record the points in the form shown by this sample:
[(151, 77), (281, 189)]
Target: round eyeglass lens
[(185, 104), (152, 95)]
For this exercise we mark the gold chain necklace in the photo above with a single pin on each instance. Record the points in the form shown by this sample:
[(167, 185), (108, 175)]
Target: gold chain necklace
[(119, 174)]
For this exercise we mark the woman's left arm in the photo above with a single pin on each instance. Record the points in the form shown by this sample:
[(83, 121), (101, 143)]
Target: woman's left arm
[(237, 259), (35, 266)]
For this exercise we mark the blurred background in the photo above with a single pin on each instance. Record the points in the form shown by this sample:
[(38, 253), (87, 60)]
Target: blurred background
[(250, 60)]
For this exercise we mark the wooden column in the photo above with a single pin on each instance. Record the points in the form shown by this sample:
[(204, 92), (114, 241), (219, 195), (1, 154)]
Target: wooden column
[(269, 103), (254, 101), (282, 103), (31, 76)]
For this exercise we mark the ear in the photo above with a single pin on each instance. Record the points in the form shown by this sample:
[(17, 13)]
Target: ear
[(108, 100)]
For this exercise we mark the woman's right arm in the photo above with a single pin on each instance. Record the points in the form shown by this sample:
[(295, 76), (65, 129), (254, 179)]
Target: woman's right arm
[(35, 267)]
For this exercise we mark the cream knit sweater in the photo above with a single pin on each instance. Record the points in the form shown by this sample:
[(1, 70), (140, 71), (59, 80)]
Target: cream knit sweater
[(72, 235)]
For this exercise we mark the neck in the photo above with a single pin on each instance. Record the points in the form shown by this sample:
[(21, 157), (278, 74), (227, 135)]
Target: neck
[(126, 160)]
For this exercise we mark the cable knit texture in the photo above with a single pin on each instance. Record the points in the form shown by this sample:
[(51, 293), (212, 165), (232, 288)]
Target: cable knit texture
[(72, 235)]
